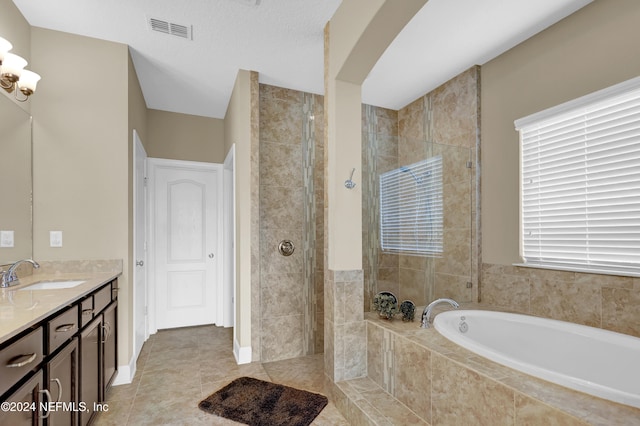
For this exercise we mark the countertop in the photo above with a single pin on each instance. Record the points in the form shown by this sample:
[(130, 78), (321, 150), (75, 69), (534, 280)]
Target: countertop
[(21, 309)]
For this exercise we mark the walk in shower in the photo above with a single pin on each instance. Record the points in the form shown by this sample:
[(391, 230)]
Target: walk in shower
[(291, 213)]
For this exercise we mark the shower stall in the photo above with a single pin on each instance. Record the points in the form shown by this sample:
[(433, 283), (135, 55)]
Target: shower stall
[(292, 215), (429, 147), (420, 238)]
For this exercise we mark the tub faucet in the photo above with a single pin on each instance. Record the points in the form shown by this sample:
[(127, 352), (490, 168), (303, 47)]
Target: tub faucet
[(9, 276), (426, 314)]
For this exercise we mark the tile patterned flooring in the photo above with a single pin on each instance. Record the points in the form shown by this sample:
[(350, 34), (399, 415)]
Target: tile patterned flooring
[(178, 368)]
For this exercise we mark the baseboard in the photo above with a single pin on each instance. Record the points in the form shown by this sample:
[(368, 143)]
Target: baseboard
[(242, 354), (125, 373)]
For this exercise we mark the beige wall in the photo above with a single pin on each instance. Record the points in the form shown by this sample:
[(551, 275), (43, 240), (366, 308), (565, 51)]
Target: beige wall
[(356, 37), (241, 130), (592, 49), (185, 137), (83, 140), (138, 112), (81, 175), (84, 117)]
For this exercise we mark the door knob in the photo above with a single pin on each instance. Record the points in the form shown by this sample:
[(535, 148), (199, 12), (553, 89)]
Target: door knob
[(140, 263)]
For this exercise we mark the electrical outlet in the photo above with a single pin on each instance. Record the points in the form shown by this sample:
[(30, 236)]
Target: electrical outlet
[(55, 238), (6, 238)]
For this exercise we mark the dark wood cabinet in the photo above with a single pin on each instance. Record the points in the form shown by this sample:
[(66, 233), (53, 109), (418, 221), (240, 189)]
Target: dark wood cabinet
[(66, 363), (61, 328), (98, 352), (109, 347), (62, 382), (20, 356), (24, 408), (90, 374)]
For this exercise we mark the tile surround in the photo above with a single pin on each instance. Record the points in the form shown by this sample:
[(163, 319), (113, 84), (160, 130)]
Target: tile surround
[(419, 373), (291, 207), (603, 301), (443, 122), (345, 351)]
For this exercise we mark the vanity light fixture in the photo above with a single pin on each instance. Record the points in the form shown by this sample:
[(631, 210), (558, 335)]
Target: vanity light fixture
[(13, 76)]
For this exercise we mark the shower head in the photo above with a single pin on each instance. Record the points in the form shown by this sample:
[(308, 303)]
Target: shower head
[(405, 169)]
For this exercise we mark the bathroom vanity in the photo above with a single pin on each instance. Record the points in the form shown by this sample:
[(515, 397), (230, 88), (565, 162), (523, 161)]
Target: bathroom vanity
[(58, 349)]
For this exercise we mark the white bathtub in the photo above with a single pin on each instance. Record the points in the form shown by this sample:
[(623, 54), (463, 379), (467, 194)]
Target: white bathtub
[(601, 363)]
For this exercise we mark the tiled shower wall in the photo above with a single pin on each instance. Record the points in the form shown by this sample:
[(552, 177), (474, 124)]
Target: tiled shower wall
[(379, 155), (291, 208), (443, 122)]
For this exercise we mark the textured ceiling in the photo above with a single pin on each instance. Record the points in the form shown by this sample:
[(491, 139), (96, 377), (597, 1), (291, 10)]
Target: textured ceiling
[(282, 40)]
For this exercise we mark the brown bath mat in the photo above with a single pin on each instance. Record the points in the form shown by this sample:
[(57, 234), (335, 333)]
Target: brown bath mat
[(259, 403)]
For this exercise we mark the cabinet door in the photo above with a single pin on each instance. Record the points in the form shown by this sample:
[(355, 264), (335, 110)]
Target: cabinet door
[(62, 382), (28, 396), (19, 358), (90, 362), (109, 338)]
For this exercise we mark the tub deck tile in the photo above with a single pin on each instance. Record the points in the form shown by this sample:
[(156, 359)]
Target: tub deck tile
[(532, 399), (369, 404), (590, 409)]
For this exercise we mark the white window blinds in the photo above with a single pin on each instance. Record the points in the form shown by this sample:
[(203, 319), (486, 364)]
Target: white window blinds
[(580, 183), (411, 208)]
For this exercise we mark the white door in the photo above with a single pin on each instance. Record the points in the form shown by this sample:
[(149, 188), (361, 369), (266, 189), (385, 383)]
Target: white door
[(141, 326), (187, 242)]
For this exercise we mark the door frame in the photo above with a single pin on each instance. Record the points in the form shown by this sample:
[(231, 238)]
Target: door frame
[(229, 237), (139, 152), (153, 164)]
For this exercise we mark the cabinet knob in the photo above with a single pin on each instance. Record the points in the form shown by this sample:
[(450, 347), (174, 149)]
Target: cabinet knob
[(140, 263)]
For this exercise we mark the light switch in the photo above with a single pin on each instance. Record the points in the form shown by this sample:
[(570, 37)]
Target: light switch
[(55, 238), (6, 238)]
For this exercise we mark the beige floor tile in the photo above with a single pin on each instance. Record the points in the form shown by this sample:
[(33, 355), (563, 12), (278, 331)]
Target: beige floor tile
[(178, 368)]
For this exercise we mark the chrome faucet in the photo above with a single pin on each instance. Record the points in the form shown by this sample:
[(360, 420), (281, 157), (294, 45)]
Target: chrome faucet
[(9, 276), (426, 314)]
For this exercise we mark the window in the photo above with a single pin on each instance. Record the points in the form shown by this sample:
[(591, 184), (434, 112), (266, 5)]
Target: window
[(580, 183), (411, 208)]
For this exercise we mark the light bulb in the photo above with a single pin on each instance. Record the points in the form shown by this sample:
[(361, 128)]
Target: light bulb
[(28, 81), (12, 66)]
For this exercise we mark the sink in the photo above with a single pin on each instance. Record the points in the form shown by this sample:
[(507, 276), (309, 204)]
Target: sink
[(53, 285)]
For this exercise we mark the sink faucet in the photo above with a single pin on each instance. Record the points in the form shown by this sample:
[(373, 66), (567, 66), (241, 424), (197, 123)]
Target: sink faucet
[(426, 314), (9, 276)]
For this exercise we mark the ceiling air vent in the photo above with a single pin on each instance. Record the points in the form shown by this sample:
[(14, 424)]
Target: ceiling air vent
[(177, 30)]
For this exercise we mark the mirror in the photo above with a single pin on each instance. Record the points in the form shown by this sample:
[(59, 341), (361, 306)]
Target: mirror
[(15, 182)]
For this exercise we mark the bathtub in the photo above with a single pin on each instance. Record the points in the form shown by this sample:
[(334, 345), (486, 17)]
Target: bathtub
[(598, 362)]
